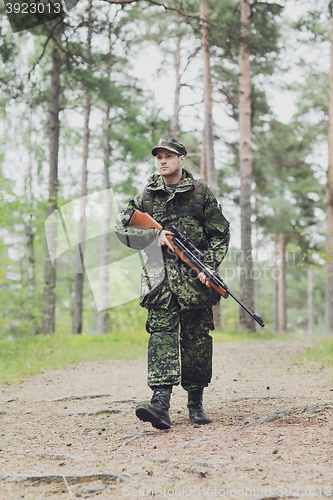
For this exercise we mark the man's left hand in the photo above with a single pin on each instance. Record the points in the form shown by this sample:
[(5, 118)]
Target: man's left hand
[(203, 278)]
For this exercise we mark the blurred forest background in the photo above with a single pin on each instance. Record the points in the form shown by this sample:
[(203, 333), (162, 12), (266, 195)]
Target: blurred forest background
[(86, 96)]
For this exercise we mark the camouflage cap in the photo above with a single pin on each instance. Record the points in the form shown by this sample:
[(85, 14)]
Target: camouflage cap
[(172, 145)]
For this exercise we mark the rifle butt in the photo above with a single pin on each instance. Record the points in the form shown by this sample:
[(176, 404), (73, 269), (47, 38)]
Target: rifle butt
[(144, 220)]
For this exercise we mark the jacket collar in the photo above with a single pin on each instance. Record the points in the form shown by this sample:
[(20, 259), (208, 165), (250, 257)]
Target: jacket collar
[(155, 182)]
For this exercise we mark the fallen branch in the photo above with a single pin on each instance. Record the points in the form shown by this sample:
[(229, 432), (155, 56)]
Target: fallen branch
[(203, 464), (185, 445), (132, 438), (76, 398), (135, 401), (89, 413), (71, 479), (49, 455), (179, 448), (284, 413), (246, 398), (87, 396), (52, 456), (92, 489), (128, 436)]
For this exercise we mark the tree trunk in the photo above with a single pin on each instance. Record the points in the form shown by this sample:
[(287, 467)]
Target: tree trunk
[(329, 205), (256, 283), (49, 299), (203, 170), (207, 167), (30, 240), (103, 316), (79, 275), (209, 133), (281, 305), (245, 163), (310, 301), (175, 128), (276, 287)]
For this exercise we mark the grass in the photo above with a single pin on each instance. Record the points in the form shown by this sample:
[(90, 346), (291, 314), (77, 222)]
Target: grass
[(322, 352), (34, 354), (240, 336), (28, 355)]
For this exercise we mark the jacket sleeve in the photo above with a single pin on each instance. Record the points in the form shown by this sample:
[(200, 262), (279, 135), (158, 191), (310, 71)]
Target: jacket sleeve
[(134, 237), (217, 231)]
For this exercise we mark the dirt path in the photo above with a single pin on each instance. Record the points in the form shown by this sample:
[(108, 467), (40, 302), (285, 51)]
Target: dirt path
[(270, 437)]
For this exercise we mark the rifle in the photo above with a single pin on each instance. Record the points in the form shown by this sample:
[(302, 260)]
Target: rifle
[(192, 256)]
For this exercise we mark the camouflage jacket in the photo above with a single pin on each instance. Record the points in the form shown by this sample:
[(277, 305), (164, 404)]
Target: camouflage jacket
[(162, 277)]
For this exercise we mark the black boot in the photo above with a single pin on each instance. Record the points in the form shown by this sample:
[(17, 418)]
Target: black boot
[(195, 408), (157, 411)]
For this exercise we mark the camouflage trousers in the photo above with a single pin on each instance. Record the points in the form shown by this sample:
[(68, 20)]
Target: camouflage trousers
[(180, 348)]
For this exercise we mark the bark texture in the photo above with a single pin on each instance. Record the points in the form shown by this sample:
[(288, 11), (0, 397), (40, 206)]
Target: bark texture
[(276, 267), (203, 171), (103, 316), (49, 298), (29, 234), (79, 275), (329, 205), (207, 167), (256, 275), (245, 162), (175, 128), (281, 296), (209, 129), (310, 301)]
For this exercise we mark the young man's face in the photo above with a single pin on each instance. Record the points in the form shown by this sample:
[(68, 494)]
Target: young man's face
[(169, 165)]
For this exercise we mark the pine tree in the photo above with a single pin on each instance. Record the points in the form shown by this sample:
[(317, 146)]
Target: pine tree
[(329, 195), (48, 319), (78, 285)]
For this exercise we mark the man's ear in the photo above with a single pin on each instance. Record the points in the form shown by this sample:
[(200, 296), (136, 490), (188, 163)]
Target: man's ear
[(182, 159)]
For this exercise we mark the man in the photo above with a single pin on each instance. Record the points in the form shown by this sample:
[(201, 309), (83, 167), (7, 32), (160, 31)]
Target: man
[(179, 298)]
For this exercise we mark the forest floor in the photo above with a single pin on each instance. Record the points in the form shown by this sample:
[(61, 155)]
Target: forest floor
[(73, 433)]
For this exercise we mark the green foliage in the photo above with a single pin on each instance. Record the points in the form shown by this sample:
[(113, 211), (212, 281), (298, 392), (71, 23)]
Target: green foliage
[(241, 336), (284, 178), (314, 24), (314, 102)]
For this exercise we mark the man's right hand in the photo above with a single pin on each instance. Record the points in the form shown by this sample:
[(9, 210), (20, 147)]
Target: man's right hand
[(163, 240)]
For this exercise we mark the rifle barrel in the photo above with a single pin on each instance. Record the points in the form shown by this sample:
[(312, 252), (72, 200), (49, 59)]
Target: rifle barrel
[(217, 280)]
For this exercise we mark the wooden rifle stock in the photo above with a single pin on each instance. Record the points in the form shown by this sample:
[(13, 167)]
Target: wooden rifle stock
[(145, 221)]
